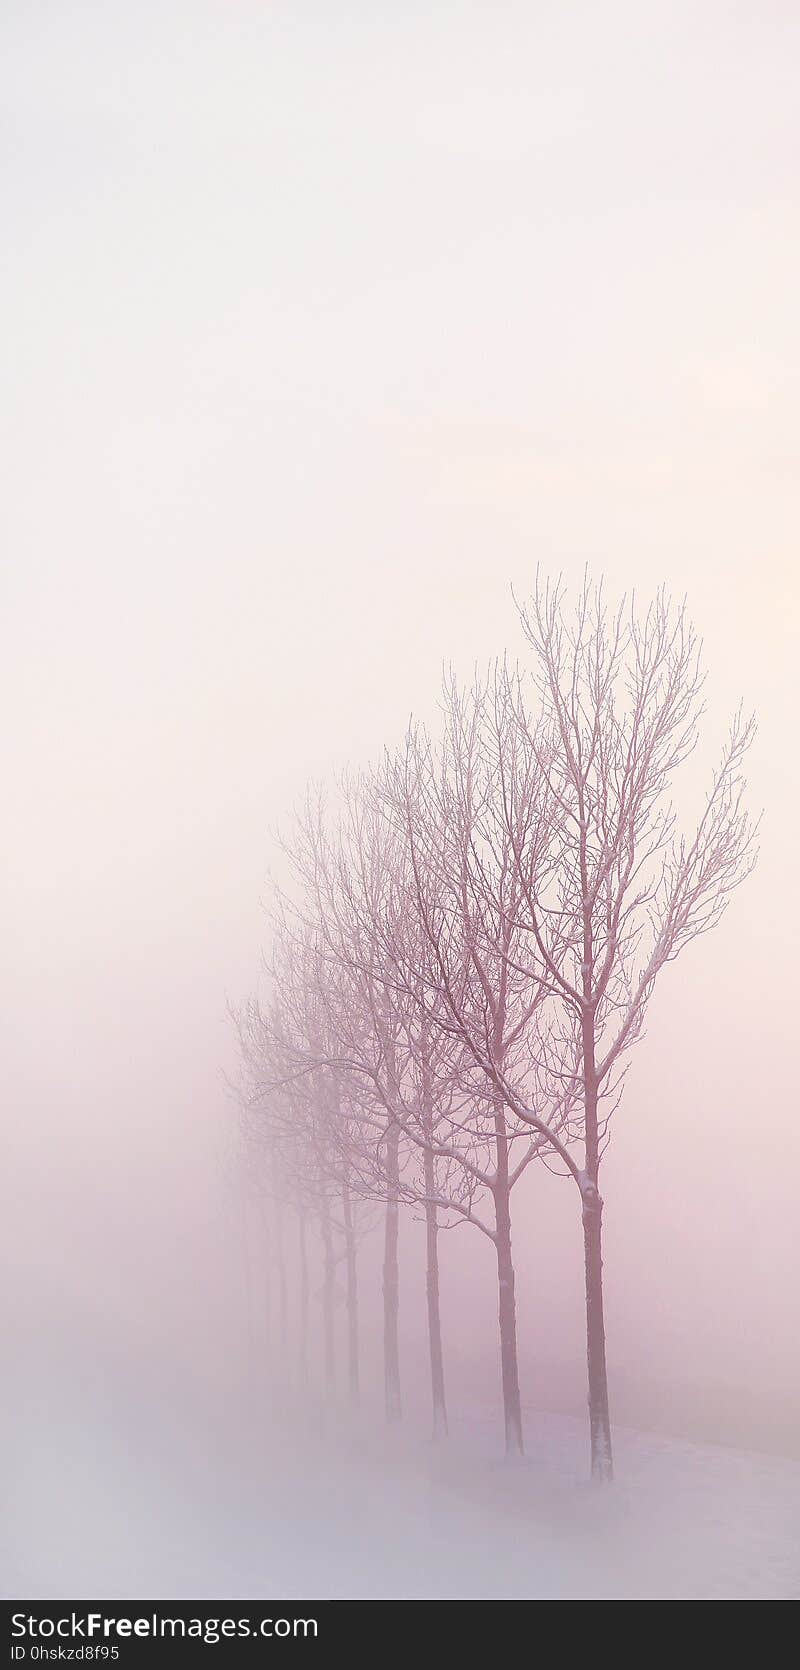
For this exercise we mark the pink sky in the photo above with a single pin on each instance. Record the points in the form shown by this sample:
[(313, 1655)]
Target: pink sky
[(325, 329)]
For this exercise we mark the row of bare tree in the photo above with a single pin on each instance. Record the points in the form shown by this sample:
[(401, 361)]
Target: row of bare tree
[(464, 958)]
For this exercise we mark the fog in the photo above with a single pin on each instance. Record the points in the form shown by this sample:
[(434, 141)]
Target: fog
[(326, 325)]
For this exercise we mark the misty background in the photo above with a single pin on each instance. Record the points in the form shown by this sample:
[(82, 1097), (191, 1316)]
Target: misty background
[(324, 325)]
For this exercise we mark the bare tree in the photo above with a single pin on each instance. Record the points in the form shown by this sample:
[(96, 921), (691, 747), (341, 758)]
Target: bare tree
[(460, 966), (618, 891)]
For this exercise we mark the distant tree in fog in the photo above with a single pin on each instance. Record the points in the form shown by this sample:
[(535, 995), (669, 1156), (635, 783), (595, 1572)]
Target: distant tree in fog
[(393, 1073), (293, 1110)]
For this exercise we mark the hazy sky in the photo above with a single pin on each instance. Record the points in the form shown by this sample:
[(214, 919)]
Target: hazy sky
[(324, 324)]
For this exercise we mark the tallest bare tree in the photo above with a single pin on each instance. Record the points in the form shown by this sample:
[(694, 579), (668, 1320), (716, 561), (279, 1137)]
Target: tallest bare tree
[(619, 705)]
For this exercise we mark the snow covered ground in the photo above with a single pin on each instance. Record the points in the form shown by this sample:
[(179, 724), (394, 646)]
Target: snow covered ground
[(112, 1494)]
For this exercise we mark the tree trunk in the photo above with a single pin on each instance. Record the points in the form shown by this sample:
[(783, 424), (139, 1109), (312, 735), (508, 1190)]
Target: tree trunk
[(507, 1312), (269, 1344), (599, 1421), (434, 1316), (280, 1259), (248, 1296), (602, 1464), (391, 1279), (352, 1296), (507, 1309), (327, 1297), (303, 1250)]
